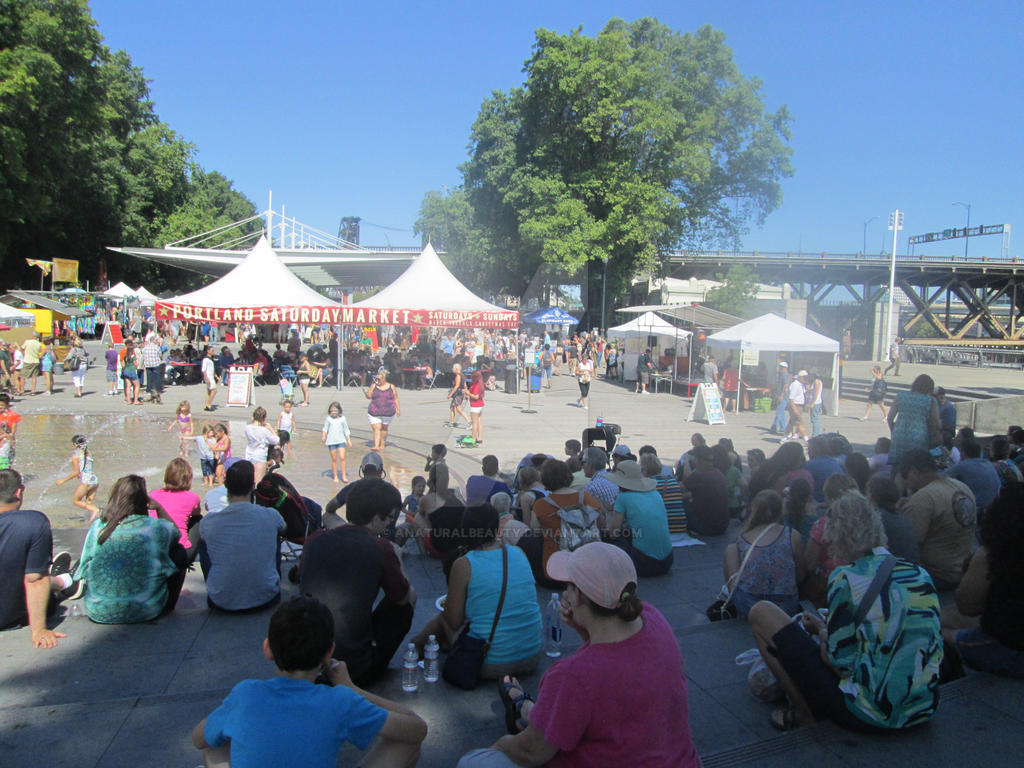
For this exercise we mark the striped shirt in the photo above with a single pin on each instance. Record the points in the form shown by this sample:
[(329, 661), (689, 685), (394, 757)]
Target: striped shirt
[(672, 494)]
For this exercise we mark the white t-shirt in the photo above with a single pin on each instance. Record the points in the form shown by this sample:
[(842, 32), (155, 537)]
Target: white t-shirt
[(209, 372), (796, 392), (259, 439)]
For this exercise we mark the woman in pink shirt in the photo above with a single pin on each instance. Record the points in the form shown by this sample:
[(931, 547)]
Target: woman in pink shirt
[(621, 699), (177, 498)]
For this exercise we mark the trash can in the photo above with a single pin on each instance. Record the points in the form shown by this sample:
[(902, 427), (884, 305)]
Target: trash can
[(512, 380), (535, 382)]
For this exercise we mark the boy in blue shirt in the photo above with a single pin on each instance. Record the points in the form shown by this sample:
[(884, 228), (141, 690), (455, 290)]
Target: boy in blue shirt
[(289, 720)]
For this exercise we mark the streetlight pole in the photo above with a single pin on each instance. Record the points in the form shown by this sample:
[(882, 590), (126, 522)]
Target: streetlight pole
[(895, 224), (864, 245), (967, 236)]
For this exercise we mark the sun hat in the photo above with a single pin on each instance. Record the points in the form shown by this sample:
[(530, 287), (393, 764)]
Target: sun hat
[(783, 364), (621, 450), (628, 475), (801, 372), (600, 571), (372, 459)]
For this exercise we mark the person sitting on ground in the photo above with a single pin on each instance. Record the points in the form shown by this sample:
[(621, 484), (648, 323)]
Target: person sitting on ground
[(799, 508), (987, 624), (1015, 434), (31, 584), (257, 723), (595, 463), (707, 496), (735, 485), (755, 460), (510, 529), (639, 524), (178, 499), (879, 462), (885, 498), (944, 515), (474, 589), (686, 464), (620, 700), (482, 487), (544, 519), (977, 473), (573, 448), (645, 449), (821, 465), (820, 557), (999, 453), (785, 465), (238, 547), (346, 567), (671, 493), (531, 489), (877, 667), (770, 554), (132, 564), (372, 465)]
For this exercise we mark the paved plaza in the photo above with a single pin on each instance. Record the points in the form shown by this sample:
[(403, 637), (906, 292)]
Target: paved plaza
[(129, 695)]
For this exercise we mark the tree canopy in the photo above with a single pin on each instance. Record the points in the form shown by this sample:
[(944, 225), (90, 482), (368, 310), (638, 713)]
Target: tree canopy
[(84, 160), (617, 150)]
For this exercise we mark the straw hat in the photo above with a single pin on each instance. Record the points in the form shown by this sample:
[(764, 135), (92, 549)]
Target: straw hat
[(628, 476)]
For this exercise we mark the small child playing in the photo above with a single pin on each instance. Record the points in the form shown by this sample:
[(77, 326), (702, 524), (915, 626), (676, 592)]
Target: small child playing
[(183, 419), (81, 467), (6, 447), (207, 460), (285, 425), (412, 502), (336, 435), (259, 722), (221, 451)]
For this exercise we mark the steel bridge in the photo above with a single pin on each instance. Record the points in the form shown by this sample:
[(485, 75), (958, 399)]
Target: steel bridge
[(951, 294)]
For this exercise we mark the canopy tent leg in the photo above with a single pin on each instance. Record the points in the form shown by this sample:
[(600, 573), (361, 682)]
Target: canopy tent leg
[(339, 382)]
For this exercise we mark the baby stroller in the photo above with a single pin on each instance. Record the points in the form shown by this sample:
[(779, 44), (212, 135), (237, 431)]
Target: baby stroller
[(301, 515), (287, 384)]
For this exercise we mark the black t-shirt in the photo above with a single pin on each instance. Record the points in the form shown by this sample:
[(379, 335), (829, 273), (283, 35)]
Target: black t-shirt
[(708, 512), (26, 546), (344, 569)]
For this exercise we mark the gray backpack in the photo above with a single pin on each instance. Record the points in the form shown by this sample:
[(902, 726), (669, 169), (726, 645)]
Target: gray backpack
[(579, 525)]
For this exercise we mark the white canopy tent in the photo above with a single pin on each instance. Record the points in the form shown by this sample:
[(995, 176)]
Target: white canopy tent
[(427, 295), (145, 297), (771, 333), (16, 318), (649, 324), (120, 291)]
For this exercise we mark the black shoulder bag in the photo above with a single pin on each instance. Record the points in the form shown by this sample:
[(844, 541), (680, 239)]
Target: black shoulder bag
[(462, 667)]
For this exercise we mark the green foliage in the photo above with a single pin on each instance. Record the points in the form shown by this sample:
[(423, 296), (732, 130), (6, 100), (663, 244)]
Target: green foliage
[(84, 160), (738, 289), (618, 148)]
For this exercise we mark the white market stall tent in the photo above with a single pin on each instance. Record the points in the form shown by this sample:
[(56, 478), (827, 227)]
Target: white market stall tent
[(119, 291), (145, 297), (642, 326), (771, 333)]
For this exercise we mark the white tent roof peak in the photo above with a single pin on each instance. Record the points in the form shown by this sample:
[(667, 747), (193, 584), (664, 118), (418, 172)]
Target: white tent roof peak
[(120, 291), (649, 324), (771, 333), (428, 285)]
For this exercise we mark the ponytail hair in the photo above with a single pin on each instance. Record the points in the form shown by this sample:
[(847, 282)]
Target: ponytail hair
[(630, 605)]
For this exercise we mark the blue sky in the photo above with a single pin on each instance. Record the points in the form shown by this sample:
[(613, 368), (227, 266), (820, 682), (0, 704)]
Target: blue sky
[(359, 108)]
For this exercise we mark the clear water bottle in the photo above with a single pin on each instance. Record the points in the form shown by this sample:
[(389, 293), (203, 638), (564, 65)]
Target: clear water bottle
[(430, 651), (553, 627), (410, 669)]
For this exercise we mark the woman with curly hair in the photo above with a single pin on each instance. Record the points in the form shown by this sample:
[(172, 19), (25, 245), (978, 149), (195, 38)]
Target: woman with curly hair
[(987, 625), (877, 666), (132, 564)]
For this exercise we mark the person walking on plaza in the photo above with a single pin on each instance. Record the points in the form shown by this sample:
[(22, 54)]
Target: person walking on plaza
[(797, 398), (584, 375), (644, 367), (894, 356), (383, 409), (782, 396), (209, 371), (876, 393), (152, 362), (30, 368)]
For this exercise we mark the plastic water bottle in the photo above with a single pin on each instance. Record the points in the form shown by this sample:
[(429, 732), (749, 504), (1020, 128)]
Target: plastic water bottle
[(600, 421), (430, 651), (553, 627), (410, 669)]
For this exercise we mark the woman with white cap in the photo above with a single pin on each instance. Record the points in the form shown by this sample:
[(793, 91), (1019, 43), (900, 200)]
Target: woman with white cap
[(639, 524), (621, 699)]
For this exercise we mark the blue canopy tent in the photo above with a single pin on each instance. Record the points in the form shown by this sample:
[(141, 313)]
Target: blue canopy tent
[(550, 316)]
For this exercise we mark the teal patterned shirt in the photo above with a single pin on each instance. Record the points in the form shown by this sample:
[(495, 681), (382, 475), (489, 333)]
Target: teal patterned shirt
[(889, 665), (126, 576)]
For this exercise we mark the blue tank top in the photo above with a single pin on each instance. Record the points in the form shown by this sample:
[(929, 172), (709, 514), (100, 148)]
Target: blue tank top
[(518, 633)]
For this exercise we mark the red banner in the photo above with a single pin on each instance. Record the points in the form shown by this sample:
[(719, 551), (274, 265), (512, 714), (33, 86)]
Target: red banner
[(342, 315)]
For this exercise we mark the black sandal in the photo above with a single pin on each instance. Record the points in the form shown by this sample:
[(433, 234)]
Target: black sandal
[(514, 722), (784, 719)]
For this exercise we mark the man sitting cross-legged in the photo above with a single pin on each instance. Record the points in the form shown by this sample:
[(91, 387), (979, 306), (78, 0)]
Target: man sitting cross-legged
[(347, 566), (289, 720)]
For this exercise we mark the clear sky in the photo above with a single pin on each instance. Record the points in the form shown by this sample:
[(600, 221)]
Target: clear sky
[(346, 108)]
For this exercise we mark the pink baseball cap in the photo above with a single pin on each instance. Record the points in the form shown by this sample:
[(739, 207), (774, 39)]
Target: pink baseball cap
[(600, 571)]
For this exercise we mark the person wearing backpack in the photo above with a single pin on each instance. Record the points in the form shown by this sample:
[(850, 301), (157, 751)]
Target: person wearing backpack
[(547, 513), (547, 360), (876, 394)]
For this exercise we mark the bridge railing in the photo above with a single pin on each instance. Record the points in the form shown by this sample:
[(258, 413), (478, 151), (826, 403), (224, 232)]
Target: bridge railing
[(861, 257)]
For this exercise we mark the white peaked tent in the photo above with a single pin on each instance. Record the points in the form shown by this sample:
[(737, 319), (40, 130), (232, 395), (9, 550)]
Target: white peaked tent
[(648, 324), (261, 289), (771, 333), (120, 291), (145, 296), (427, 295)]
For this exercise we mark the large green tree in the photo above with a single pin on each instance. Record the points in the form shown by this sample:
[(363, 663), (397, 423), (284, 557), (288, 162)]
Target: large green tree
[(84, 160), (617, 150)]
